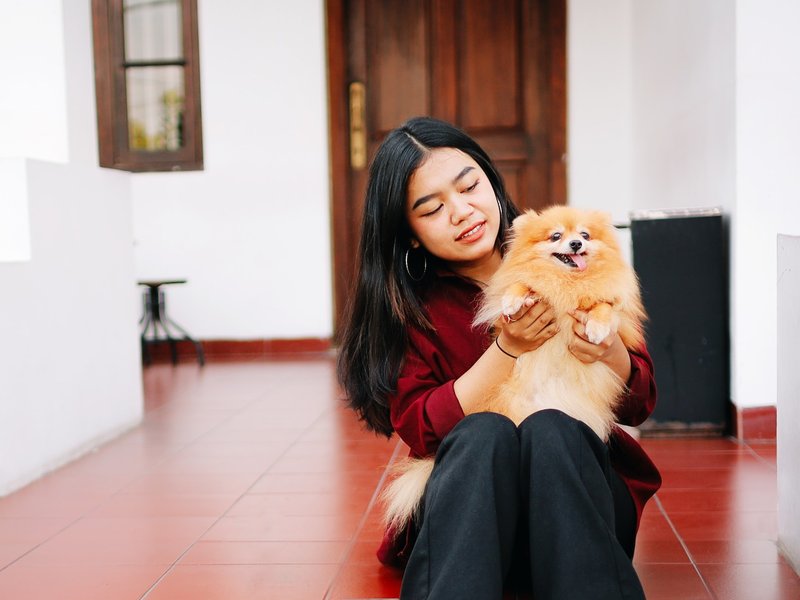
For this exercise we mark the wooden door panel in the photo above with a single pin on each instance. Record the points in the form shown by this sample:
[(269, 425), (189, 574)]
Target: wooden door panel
[(488, 65), (493, 67), (398, 56), (514, 176), (505, 145)]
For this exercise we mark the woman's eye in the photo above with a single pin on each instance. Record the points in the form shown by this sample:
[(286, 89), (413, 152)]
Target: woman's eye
[(434, 211), (555, 237), (585, 235), (473, 186)]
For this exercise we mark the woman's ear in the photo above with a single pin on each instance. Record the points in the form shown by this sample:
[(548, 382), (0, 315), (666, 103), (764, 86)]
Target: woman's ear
[(414, 243)]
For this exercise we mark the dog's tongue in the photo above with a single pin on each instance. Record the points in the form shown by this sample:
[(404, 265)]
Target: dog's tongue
[(579, 261)]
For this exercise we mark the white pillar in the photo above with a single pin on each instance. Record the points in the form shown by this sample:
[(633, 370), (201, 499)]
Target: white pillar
[(789, 398)]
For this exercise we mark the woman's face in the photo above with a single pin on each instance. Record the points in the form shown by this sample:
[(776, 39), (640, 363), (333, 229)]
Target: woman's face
[(453, 212)]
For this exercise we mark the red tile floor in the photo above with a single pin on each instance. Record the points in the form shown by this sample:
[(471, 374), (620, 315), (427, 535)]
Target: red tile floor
[(248, 480)]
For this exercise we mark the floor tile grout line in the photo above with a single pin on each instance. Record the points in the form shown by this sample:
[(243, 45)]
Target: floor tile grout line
[(44, 541), (771, 466), (685, 547), (289, 446), (370, 505)]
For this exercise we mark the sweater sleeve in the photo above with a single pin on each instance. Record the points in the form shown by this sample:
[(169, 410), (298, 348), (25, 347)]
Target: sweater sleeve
[(425, 408), (640, 396)]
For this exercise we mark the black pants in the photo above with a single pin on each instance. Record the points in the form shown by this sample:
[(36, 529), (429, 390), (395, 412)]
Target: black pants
[(543, 491)]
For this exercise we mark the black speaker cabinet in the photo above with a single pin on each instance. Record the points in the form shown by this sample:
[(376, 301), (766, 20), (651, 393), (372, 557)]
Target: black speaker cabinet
[(681, 259)]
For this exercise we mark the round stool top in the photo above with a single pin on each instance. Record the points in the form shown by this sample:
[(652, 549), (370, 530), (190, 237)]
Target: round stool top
[(157, 282)]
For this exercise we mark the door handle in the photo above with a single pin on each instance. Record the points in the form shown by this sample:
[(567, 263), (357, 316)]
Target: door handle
[(358, 126)]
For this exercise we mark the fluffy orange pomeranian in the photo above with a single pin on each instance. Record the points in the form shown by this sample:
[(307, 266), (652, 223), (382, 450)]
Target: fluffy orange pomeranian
[(571, 259)]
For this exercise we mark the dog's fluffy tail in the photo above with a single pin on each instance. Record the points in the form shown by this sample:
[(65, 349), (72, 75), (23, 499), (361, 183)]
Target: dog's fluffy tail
[(402, 497)]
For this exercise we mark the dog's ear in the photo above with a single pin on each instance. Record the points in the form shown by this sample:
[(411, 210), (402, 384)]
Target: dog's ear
[(525, 222), (602, 228), (599, 219)]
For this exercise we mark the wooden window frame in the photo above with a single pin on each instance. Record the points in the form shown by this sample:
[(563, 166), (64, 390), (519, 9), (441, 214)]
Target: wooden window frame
[(111, 91)]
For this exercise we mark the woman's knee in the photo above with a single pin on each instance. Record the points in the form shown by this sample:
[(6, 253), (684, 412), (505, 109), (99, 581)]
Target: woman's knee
[(486, 425), (548, 422), (482, 432), (555, 433)]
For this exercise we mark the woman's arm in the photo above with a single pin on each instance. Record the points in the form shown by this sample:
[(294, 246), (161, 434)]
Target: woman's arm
[(635, 368), (434, 391), (528, 329), (640, 400)]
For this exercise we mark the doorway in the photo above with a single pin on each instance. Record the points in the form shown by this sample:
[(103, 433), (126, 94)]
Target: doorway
[(496, 68)]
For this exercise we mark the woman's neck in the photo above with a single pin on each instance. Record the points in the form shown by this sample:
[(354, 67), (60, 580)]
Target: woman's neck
[(478, 271)]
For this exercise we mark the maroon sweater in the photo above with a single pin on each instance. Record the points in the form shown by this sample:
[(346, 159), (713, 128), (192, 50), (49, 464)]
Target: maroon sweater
[(425, 408)]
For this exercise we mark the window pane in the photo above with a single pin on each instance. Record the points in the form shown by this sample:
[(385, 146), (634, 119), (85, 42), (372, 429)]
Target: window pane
[(153, 30), (155, 108)]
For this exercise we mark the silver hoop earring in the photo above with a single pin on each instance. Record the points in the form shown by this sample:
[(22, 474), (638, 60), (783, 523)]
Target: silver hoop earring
[(500, 206), (424, 267)]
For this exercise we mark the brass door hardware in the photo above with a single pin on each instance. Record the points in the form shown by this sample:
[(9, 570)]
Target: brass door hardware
[(358, 126)]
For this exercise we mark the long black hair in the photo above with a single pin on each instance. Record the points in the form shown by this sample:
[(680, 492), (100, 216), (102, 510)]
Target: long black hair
[(386, 300)]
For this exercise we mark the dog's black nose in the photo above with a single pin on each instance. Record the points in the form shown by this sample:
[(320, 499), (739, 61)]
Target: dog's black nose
[(576, 245)]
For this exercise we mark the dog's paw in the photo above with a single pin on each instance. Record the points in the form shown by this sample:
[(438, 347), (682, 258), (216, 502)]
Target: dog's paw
[(597, 331), (512, 303)]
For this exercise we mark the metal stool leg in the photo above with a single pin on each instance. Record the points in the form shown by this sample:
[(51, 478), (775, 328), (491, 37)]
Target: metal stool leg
[(154, 316), (198, 347), (147, 319), (163, 320)]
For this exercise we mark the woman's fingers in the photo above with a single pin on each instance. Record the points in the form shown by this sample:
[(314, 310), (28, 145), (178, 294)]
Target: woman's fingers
[(541, 316), (586, 351), (532, 325), (526, 306), (539, 323), (580, 316)]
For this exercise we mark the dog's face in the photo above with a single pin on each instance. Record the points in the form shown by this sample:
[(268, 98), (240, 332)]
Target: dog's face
[(565, 238)]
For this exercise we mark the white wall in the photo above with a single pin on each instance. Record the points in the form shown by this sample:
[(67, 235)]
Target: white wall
[(600, 106), (788, 278), (15, 243), (33, 120), (651, 104), (69, 363), (251, 232), (767, 185), (70, 374), (684, 104)]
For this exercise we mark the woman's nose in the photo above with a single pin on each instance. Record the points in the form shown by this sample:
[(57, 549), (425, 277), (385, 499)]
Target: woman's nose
[(461, 210)]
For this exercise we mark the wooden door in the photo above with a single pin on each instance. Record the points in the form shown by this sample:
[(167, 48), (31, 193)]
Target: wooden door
[(496, 68)]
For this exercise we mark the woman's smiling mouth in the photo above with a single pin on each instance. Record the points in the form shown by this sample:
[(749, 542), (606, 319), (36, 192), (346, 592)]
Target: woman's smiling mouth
[(472, 232)]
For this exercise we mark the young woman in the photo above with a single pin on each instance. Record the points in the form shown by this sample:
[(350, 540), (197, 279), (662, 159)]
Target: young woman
[(548, 497)]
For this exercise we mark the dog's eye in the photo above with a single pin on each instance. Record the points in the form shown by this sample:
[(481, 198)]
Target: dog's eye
[(555, 237), (585, 235)]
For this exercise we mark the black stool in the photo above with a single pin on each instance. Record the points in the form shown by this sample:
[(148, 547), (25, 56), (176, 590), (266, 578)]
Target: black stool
[(154, 316)]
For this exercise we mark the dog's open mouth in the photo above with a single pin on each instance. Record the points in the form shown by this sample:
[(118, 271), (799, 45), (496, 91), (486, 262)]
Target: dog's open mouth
[(577, 261)]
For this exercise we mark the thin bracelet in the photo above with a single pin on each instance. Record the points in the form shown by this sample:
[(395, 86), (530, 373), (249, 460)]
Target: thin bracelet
[(497, 343)]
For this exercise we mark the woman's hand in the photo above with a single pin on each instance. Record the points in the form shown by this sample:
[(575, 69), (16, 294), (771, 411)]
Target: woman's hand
[(610, 351), (528, 328)]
